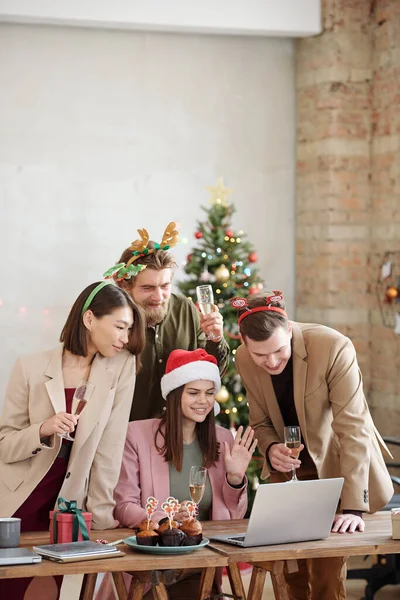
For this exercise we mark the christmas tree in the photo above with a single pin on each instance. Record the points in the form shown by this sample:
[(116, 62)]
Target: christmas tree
[(225, 259)]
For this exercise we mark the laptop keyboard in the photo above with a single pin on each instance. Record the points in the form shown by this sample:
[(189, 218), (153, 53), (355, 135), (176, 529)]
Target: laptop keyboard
[(237, 538)]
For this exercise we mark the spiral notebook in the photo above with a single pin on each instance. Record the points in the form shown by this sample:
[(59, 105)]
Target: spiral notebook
[(75, 551)]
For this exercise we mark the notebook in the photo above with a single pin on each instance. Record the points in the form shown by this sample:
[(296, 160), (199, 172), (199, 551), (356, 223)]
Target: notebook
[(289, 512), (18, 556), (75, 551)]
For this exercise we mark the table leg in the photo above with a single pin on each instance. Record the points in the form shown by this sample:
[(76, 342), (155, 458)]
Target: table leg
[(120, 586), (136, 590), (88, 586), (275, 568), (235, 580), (256, 583), (207, 579), (278, 581), (160, 592)]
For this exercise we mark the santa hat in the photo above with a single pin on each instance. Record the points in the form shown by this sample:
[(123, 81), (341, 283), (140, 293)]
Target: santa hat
[(184, 366)]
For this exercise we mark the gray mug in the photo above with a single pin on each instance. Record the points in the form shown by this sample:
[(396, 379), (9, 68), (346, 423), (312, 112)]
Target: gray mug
[(10, 529)]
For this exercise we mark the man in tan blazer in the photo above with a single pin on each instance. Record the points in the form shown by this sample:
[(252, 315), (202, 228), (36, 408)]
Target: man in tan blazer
[(307, 375)]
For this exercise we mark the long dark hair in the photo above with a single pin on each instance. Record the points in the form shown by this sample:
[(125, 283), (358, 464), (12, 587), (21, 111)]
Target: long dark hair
[(109, 298), (170, 430)]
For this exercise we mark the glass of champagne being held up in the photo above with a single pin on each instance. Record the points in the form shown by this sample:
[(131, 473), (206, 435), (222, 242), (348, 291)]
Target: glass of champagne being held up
[(197, 483), (81, 396), (293, 441), (205, 299)]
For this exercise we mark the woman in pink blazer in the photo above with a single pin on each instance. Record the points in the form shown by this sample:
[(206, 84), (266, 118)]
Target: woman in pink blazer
[(159, 452)]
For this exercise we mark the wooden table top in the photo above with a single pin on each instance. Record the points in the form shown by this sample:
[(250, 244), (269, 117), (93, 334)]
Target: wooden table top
[(132, 561), (376, 539)]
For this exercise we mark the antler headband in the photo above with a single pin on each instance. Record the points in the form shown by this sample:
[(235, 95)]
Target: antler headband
[(140, 248), (242, 303)]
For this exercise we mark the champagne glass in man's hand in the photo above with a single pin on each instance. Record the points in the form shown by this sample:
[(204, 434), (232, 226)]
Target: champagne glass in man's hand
[(205, 299), (293, 441)]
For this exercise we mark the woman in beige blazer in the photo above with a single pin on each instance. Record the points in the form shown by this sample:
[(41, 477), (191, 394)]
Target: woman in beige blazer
[(100, 340)]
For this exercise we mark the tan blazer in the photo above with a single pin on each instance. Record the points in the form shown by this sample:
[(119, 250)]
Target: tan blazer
[(35, 393), (333, 414)]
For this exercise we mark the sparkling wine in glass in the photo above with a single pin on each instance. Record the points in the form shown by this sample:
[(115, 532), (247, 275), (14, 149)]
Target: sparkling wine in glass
[(293, 441), (81, 396), (205, 299), (197, 483)]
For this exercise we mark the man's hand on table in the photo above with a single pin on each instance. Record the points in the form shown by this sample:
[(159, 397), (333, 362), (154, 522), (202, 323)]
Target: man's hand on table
[(347, 523)]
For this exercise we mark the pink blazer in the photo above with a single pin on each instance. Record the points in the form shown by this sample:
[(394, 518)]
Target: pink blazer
[(144, 473)]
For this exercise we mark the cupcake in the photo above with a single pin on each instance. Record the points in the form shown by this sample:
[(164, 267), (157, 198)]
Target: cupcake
[(163, 525), (147, 537), (146, 525), (172, 537), (193, 530)]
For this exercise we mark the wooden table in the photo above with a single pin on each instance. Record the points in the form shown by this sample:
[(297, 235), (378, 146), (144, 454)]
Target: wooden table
[(142, 564), (376, 539)]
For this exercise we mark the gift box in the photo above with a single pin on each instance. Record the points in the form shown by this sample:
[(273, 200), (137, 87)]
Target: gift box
[(69, 523), (396, 523)]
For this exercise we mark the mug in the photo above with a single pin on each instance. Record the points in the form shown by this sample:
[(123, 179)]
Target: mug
[(10, 529)]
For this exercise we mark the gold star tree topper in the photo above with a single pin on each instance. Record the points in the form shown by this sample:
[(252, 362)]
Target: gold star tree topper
[(219, 193)]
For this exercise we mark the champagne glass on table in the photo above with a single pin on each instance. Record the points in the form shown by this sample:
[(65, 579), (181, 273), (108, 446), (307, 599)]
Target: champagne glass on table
[(205, 299), (81, 396), (292, 436), (197, 483)]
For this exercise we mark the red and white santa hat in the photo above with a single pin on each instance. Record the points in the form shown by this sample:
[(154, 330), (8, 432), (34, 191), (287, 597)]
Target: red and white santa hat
[(184, 366)]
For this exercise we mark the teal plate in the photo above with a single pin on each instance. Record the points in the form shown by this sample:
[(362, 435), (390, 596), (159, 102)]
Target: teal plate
[(131, 541)]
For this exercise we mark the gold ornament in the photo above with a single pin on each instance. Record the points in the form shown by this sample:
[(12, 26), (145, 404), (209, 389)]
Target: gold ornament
[(222, 274), (223, 395), (219, 193), (392, 292)]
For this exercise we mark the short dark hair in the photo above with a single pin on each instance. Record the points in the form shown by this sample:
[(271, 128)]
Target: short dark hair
[(259, 326), (107, 299), (170, 429)]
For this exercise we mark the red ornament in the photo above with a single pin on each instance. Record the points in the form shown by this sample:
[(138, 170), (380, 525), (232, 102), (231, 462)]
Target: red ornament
[(229, 233), (234, 267), (189, 257), (198, 235), (253, 257), (253, 290)]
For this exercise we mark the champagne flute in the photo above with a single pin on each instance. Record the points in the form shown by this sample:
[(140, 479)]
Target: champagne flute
[(205, 299), (81, 396), (293, 441), (197, 483)]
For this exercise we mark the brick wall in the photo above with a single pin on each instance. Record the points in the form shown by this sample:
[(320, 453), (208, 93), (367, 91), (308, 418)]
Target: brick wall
[(348, 184)]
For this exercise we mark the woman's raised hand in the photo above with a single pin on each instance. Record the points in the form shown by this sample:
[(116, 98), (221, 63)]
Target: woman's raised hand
[(238, 456), (60, 423)]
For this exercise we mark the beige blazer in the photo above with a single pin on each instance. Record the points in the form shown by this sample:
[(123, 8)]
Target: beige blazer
[(333, 414), (35, 393)]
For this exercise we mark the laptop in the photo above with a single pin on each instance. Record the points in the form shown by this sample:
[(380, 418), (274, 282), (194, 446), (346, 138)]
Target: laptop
[(289, 512), (18, 556)]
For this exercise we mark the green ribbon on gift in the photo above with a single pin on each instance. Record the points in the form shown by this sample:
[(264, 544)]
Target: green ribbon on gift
[(78, 523)]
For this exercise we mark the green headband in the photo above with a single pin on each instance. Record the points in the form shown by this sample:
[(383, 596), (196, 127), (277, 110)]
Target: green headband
[(92, 295)]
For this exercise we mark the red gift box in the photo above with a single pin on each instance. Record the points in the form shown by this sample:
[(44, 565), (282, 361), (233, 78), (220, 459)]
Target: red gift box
[(64, 526)]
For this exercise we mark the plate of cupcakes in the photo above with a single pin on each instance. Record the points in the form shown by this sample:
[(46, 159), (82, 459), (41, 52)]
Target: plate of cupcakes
[(168, 536)]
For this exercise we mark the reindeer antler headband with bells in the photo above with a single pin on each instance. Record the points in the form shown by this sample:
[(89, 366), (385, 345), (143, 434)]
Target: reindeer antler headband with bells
[(140, 248)]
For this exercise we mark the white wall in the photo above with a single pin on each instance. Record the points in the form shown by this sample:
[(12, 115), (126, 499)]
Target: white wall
[(102, 132)]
